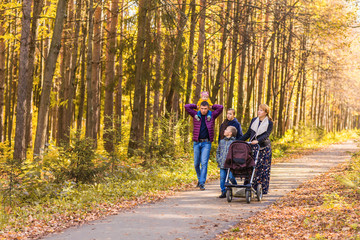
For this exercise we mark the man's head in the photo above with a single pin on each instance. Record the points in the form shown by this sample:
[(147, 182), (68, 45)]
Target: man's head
[(204, 108), (230, 131)]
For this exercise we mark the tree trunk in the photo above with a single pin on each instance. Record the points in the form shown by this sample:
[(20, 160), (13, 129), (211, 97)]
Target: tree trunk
[(263, 55), (148, 115), (2, 74), (82, 83), (61, 93), (21, 110), (48, 77), (234, 53), (191, 51), (95, 72), (200, 53), (174, 72), (137, 130), (110, 77), (38, 5), (72, 73), (90, 123), (118, 101), (157, 84), (8, 88), (244, 47), (216, 87)]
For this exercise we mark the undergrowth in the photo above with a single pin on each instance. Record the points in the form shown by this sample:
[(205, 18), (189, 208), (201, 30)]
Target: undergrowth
[(79, 179)]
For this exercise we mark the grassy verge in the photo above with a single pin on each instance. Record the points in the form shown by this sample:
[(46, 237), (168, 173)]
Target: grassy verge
[(327, 207), (56, 205), (294, 144)]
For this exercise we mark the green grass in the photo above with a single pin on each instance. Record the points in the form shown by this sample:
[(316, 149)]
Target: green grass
[(53, 200), (298, 142)]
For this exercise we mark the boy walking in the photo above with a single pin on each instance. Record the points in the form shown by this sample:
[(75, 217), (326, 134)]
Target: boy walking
[(221, 153)]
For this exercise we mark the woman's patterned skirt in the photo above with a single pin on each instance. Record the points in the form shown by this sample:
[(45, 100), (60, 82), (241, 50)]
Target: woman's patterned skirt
[(263, 167)]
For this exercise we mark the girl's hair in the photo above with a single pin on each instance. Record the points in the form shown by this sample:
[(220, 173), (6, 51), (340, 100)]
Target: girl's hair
[(231, 109), (205, 93), (233, 130), (266, 109)]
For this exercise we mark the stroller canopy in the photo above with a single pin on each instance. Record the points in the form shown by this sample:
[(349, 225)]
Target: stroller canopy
[(239, 156)]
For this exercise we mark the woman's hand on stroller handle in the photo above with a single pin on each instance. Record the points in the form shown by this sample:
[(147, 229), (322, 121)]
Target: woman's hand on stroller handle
[(254, 142)]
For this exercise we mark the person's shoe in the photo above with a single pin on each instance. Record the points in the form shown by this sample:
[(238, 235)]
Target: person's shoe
[(208, 118), (198, 184), (202, 187), (197, 117), (223, 195)]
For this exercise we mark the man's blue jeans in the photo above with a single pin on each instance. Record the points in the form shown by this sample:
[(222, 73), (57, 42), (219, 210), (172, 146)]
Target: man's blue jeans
[(201, 157), (223, 173)]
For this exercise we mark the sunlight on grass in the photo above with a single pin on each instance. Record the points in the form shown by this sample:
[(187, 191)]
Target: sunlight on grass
[(45, 193)]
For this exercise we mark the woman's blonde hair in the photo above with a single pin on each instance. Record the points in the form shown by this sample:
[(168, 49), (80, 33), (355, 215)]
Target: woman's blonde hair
[(266, 109)]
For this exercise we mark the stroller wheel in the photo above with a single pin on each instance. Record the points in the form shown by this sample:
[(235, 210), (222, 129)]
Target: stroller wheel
[(248, 195), (259, 193), (229, 195)]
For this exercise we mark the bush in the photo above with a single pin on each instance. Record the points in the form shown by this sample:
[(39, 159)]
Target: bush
[(76, 162)]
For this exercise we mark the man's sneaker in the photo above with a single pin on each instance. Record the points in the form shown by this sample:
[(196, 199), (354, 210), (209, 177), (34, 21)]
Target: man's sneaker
[(223, 195), (198, 184), (202, 187), (197, 117), (208, 118)]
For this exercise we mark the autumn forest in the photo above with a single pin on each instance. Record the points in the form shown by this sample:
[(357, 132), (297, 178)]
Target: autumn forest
[(92, 95), (119, 72)]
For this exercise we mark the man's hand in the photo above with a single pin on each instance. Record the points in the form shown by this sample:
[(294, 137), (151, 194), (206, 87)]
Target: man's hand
[(254, 142)]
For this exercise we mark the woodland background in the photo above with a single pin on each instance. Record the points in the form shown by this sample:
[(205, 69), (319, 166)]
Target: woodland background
[(92, 94), (119, 72)]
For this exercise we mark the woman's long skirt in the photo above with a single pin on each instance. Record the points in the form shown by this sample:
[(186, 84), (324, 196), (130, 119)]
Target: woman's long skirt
[(263, 167)]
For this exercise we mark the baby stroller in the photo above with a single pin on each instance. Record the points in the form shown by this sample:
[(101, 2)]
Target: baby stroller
[(240, 162)]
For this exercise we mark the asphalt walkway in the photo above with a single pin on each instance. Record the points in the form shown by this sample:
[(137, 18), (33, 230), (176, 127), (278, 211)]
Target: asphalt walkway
[(201, 214)]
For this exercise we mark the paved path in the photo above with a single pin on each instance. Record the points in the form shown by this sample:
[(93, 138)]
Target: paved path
[(200, 214)]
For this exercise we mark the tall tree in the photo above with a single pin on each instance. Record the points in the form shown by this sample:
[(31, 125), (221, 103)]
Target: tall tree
[(220, 70), (200, 53), (191, 51), (21, 110), (234, 53), (177, 57), (137, 124), (157, 83), (50, 65), (38, 6), (96, 69), (119, 77), (90, 124), (72, 70), (82, 82), (110, 76), (2, 73)]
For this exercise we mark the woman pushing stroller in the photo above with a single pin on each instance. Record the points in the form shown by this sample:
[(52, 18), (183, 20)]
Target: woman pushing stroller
[(258, 133)]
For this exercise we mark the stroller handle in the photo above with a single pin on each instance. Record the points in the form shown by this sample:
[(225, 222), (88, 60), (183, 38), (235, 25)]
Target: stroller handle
[(257, 150), (254, 144)]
